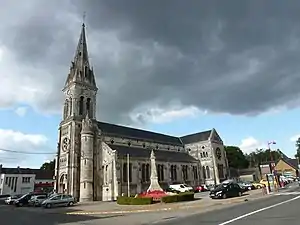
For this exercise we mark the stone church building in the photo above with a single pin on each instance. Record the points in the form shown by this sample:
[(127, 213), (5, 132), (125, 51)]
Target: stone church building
[(92, 156)]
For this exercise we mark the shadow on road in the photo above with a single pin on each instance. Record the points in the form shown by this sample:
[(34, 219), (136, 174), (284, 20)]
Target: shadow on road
[(11, 215)]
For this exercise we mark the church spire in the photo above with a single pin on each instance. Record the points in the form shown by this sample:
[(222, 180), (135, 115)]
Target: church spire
[(80, 70)]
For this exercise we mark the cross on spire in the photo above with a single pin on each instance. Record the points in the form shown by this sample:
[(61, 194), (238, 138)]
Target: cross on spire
[(83, 18)]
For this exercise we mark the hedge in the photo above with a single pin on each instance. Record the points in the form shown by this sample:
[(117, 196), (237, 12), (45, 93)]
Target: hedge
[(187, 196), (124, 200)]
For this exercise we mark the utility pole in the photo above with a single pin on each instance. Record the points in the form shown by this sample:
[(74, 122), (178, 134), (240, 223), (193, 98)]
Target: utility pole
[(128, 173)]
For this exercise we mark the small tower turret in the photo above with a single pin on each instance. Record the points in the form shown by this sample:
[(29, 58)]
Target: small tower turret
[(87, 160)]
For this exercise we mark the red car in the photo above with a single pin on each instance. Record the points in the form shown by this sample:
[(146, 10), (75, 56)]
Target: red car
[(201, 188)]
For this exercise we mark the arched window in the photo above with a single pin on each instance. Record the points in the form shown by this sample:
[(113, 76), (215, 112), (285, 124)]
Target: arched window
[(147, 172), (203, 172), (70, 107), (86, 71), (106, 174), (66, 109), (88, 106), (81, 105), (207, 172), (144, 172)]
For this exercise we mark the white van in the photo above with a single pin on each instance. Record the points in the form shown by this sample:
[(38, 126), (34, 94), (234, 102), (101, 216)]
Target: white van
[(181, 187)]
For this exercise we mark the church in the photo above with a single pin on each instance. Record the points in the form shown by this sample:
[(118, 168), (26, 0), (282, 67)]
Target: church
[(98, 161)]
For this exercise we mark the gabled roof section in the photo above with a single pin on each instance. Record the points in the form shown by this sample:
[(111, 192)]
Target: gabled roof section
[(291, 162), (39, 174), (129, 132), (161, 155), (197, 137), (215, 137)]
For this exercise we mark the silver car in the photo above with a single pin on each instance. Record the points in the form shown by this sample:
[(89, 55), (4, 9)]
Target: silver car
[(37, 200), (59, 200)]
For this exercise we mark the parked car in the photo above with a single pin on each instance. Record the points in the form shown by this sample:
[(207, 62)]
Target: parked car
[(11, 199), (181, 187), (172, 190), (37, 200), (59, 200), (226, 190), (257, 185), (247, 186), (201, 188), (24, 200)]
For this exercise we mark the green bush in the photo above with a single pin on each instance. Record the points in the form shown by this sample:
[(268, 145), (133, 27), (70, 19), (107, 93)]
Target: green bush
[(187, 196), (123, 200)]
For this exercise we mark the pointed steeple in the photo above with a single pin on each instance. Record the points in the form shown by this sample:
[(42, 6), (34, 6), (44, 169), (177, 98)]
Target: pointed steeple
[(80, 70)]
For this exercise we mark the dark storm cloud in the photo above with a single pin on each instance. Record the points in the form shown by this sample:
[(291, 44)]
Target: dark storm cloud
[(237, 57)]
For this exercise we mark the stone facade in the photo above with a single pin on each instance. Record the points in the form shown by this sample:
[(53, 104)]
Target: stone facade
[(92, 156)]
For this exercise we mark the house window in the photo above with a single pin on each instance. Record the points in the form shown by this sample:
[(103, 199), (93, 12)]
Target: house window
[(25, 179), (125, 172)]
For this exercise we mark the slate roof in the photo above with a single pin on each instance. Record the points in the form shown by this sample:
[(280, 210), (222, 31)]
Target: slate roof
[(192, 138), (123, 131), (161, 155), (292, 162), (39, 174)]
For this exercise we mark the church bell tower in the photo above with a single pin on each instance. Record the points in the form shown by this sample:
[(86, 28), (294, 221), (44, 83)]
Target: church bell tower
[(80, 92)]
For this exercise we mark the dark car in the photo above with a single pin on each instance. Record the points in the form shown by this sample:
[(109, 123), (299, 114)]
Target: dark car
[(226, 190), (24, 200)]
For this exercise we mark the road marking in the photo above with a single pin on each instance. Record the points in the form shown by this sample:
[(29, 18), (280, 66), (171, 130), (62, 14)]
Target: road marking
[(259, 210), (289, 193)]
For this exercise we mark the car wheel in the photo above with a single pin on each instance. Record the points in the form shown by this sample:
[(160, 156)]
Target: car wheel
[(71, 204), (240, 194), (259, 187), (224, 196), (48, 205), (20, 204)]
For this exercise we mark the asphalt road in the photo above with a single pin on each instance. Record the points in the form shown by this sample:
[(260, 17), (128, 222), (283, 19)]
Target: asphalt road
[(277, 210), (273, 211)]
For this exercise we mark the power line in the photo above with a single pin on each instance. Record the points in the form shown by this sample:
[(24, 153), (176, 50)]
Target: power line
[(27, 153)]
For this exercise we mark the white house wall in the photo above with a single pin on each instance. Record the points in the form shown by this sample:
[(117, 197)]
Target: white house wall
[(9, 187)]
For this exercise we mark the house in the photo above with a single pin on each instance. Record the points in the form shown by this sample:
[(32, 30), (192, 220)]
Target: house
[(15, 181), (23, 180), (249, 174), (287, 167)]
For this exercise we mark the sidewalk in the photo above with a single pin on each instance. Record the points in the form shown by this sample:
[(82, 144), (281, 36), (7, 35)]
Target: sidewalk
[(102, 208)]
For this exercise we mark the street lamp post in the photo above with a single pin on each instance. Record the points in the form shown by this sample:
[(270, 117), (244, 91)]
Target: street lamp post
[(271, 163)]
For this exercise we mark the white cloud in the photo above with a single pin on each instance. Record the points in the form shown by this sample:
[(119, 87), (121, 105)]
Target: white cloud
[(18, 141), (294, 138), (160, 115), (21, 111), (250, 144)]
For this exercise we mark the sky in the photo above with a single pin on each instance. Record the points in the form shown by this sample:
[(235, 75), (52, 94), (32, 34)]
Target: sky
[(171, 66)]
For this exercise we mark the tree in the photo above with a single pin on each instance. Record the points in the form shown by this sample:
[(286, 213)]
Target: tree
[(48, 165), (236, 157), (297, 148)]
